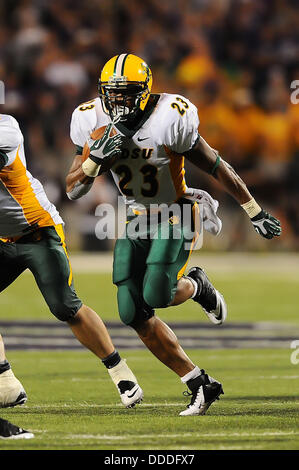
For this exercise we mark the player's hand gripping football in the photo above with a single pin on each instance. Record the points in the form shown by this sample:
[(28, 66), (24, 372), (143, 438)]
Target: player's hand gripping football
[(266, 225), (106, 150)]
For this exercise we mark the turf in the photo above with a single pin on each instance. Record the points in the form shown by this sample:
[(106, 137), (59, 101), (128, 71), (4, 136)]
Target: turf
[(251, 297), (72, 404)]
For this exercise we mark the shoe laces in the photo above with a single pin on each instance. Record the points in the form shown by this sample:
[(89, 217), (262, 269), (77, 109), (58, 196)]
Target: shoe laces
[(186, 393), (197, 382)]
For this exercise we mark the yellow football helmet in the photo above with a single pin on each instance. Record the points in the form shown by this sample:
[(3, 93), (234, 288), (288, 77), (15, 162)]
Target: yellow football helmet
[(124, 86)]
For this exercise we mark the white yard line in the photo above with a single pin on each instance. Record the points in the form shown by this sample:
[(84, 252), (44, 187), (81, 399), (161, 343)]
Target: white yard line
[(180, 436), (119, 405)]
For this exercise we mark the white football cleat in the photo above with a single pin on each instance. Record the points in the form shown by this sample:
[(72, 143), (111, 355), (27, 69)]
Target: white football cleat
[(12, 392), (204, 391), (211, 301), (126, 384), (130, 393)]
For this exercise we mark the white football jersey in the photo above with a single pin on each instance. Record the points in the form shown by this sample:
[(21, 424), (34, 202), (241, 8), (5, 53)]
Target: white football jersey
[(23, 201), (151, 168)]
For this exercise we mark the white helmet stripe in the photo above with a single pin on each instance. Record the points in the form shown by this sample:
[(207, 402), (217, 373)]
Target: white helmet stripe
[(119, 64)]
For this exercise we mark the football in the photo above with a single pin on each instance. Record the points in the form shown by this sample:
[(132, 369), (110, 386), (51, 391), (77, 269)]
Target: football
[(96, 134)]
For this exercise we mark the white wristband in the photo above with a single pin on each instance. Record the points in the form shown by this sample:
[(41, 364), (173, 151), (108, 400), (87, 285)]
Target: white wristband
[(90, 168), (252, 208)]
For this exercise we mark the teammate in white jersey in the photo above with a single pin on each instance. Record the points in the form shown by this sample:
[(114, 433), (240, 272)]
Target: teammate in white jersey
[(32, 237), (154, 133)]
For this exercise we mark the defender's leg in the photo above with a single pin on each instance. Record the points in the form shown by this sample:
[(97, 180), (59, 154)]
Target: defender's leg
[(48, 261), (12, 392), (90, 330)]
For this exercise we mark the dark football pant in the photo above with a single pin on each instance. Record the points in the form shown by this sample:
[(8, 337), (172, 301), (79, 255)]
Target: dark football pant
[(44, 253)]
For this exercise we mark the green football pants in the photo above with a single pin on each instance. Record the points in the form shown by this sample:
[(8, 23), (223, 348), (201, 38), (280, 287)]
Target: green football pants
[(146, 271), (44, 253)]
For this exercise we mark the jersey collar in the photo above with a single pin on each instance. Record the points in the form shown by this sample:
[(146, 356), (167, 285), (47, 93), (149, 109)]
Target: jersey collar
[(147, 112)]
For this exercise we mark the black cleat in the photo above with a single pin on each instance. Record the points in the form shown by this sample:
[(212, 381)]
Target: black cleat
[(10, 431), (208, 297)]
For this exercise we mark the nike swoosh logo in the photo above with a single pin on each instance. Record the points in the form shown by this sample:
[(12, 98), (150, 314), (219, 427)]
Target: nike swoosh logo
[(130, 396), (140, 140), (96, 145)]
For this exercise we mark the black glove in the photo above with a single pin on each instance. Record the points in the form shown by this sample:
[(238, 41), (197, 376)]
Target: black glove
[(266, 225)]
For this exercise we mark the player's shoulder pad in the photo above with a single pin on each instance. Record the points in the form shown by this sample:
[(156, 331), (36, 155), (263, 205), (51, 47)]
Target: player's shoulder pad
[(10, 133), (176, 108), (178, 121), (83, 122)]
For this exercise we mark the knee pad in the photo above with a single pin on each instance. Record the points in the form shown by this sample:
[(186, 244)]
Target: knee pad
[(158, 288), (131, 306), (129, 303), (129, 295)]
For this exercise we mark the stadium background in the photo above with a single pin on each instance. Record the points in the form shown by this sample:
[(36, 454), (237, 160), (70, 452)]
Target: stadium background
[(235, 59)]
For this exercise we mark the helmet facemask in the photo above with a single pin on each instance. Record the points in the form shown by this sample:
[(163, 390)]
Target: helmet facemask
[(123, 100)]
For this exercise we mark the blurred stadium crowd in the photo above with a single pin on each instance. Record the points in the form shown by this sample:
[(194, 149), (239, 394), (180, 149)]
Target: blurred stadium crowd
[(234, 59)]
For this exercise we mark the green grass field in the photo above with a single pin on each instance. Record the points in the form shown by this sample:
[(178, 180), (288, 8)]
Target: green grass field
[(73, 405), (251, 297)]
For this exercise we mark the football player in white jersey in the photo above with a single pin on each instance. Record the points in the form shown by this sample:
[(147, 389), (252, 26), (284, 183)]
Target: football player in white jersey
[(146, 139), (32, 237)]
